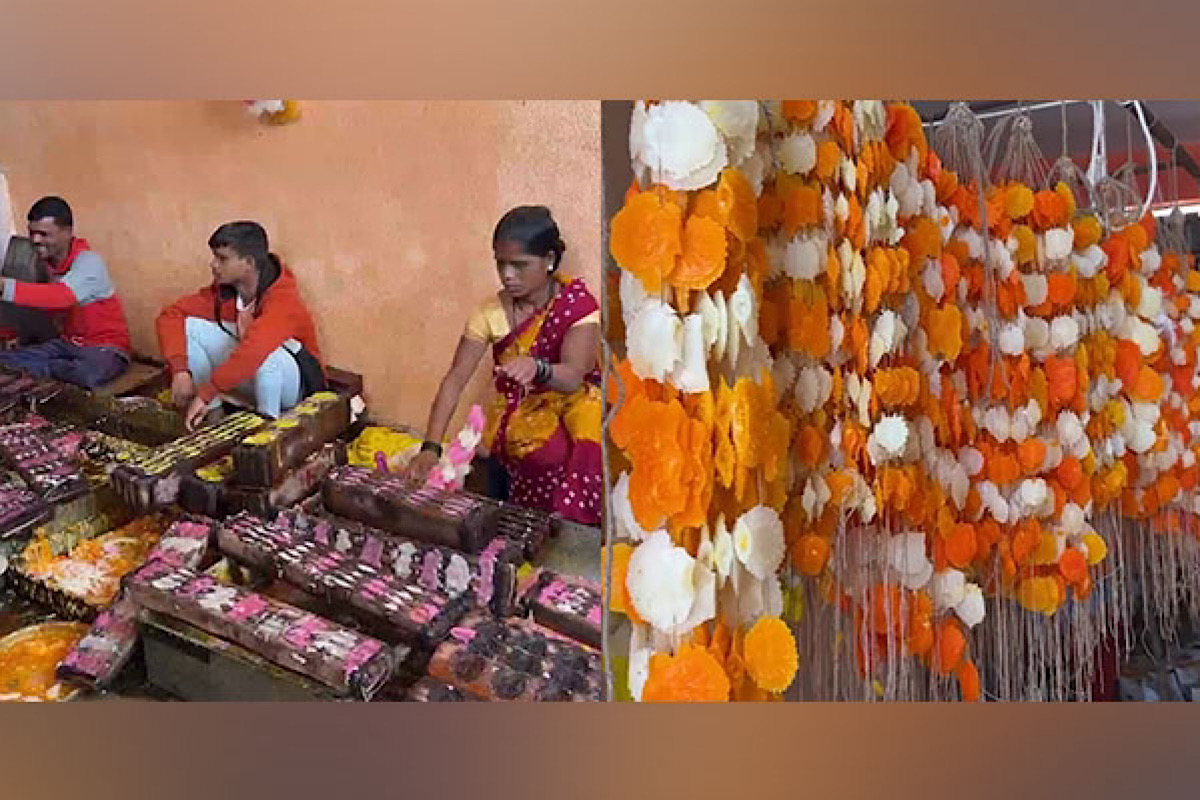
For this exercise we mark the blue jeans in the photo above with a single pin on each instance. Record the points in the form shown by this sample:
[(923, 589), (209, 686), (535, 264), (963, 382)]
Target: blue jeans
[(88, 367), (275, 386)]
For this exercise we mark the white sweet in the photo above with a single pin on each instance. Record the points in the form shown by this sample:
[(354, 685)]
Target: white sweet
[(997, 423), (755, 169), (654, 340), (723, 555), (947, 589), (1064, 333), (711, 317), (1037, 333), (804, 257), (1012, 339), (798, 153), (932, 280), (971, 460), (970, 609), (1059, 243), (719, 346), (676, 144), (737, 120), (627, 526), (891, 433), (758, 541), (1151, 260), (1150, 302), (742, 309), (660, 580), (691, 372), (633, 295)]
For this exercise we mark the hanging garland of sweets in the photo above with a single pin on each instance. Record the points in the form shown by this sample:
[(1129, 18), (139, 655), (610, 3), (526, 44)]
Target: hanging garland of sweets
[(928, 434)]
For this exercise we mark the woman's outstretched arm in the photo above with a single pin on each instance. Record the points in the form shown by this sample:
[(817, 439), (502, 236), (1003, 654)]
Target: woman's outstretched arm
[(466, 359)]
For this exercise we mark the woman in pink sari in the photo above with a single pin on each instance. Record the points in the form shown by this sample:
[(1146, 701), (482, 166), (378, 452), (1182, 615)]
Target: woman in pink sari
[(544, 331)]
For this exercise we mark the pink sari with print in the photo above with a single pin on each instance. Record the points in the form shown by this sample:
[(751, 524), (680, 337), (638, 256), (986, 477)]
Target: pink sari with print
[(549, 441)]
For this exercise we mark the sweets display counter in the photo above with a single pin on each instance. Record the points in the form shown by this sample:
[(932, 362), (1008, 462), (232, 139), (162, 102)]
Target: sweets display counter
[(249, 561)]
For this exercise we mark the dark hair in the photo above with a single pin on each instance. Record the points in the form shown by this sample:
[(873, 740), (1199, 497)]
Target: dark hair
[(534, 229), (55, 208), (248, 240)]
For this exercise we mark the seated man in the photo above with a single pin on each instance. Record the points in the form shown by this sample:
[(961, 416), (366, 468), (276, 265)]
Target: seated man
[(249, 332), (93, 348)]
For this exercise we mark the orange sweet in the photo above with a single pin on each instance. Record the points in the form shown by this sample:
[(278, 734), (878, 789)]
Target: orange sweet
[(961, 545), (770, 654), (702, 259), (692, 675), (968, 682), (951, 644), (1073, 565), (646, 235)]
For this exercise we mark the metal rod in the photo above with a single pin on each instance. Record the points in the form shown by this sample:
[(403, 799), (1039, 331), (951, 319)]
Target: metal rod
[(1018, 108), (1165, 137), (1015, 108)]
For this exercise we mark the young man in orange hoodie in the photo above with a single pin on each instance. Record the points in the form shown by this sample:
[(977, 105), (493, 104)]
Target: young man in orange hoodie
[(93, 347), (249, 332)]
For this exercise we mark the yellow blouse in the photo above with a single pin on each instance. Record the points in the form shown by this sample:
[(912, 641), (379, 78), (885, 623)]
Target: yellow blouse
[(488, 324)]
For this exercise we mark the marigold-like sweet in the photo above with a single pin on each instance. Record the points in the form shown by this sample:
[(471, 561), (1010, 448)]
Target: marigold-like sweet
[(772, 659), (692, 675)]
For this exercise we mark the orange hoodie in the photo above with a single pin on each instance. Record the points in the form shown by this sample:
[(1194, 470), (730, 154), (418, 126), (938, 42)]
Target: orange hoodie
[(282, 315)]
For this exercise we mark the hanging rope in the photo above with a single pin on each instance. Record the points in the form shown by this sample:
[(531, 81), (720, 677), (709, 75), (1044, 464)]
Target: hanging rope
[(1022, 160), (1066, 171)]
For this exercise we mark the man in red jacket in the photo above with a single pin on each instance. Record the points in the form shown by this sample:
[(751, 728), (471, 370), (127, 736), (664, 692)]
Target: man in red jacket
[(94, 346), (248, 333)]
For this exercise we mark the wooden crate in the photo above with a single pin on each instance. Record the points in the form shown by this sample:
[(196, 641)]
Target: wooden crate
[(188, 663)]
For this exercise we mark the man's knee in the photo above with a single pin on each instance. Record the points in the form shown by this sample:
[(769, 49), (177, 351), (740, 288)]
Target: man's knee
[(197, 327), (278, 365)]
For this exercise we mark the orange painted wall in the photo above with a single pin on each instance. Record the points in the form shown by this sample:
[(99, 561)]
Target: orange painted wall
[(384, 209)]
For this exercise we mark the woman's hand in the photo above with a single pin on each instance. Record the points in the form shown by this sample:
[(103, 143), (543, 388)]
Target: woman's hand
[(522, 370), (196, 411), (421, 465), (183, 389)]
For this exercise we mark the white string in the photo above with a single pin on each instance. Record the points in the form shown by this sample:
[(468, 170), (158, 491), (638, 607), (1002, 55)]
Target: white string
[(1151, 159), (1098, 166)]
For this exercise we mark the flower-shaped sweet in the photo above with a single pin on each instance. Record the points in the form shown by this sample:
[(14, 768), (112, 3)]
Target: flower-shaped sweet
[(970, 609), (702, 256), (625, 524), (723, 555), (691, 372), (889, 439), (677, 145), (692, 675), (661, 581), (947, 589), (906, 555), (772, 659), (654, 340), (798, 153), (646, 237), (944, 329), (758, 541), (737, 120)]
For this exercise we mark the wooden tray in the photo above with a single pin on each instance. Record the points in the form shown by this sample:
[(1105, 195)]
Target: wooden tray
[(190, 664)]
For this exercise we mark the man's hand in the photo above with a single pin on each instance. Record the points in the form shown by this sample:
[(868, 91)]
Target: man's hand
[(196, 412), (183, 389)]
